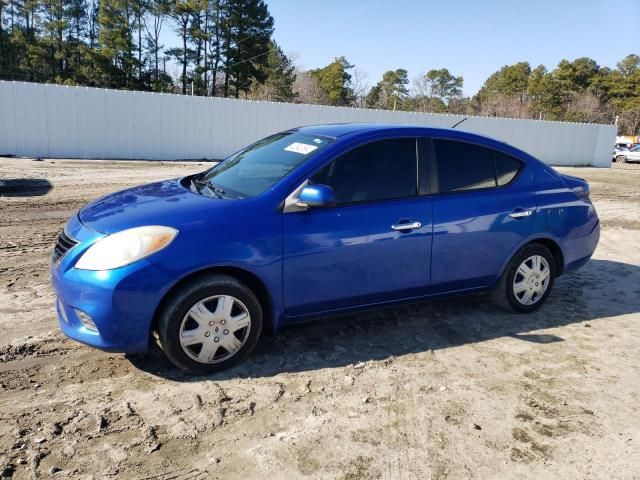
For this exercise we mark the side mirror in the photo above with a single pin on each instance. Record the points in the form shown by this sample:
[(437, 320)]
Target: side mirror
[(317, 196)]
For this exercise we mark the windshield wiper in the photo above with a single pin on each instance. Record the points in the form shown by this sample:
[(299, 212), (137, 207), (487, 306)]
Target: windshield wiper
[(217, 189), (202, 183)]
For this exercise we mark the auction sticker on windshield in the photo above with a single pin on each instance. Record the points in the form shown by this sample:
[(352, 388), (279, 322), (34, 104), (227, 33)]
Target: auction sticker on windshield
[(302, 148)]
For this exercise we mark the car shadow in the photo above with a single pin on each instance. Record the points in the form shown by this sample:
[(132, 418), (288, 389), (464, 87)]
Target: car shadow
[(591, 294), (24, 187)]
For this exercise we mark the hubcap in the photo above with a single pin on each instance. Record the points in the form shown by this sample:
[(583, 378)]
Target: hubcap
[(531, 280), (214, 329)]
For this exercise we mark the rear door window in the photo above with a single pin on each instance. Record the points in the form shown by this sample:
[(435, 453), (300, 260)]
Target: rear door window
[(506, 168), (463, 166)]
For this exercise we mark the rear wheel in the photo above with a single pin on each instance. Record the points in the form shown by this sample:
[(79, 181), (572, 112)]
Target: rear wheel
[(527, 280), (210, 324)]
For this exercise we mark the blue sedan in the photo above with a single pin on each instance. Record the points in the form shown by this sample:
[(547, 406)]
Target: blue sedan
[(312, 222)]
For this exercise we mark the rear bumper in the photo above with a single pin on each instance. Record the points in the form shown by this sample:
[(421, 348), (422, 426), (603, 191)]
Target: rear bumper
[(577, 251)]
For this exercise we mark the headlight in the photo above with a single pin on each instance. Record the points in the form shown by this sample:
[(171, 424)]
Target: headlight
[(126, 247)]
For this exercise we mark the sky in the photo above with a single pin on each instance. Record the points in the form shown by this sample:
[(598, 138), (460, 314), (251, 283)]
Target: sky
[(470, 38)]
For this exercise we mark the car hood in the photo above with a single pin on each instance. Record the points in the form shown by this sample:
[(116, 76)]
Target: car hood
[(166, 203)]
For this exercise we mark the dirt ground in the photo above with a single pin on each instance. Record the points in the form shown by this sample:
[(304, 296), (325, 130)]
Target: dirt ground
[(443, 389)]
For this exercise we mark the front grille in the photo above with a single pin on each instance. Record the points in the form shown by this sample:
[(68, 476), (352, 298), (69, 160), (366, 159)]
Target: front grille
[(63, 245)]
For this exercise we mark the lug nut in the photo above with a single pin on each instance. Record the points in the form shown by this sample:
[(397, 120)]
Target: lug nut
[(216, 339), (206, 334), (211, 323), (226, 332), (223, 321)]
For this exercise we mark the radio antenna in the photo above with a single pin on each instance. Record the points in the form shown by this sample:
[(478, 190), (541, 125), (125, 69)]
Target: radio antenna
[(460, 122)]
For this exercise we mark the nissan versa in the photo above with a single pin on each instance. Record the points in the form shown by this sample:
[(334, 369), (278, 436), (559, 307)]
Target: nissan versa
[(311, 222)]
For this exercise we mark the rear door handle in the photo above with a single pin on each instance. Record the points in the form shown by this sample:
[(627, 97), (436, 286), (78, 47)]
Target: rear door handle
[(520, 213), (406, 226)]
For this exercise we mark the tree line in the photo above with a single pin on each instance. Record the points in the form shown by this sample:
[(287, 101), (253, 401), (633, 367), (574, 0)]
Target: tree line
[(226, 48), (576, 91)]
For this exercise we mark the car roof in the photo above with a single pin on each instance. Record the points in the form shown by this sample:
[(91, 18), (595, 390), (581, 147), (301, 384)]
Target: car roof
[(336, 130)]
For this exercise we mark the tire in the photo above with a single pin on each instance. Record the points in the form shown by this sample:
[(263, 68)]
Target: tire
[(196, 325), (505, 295), (621, 159)]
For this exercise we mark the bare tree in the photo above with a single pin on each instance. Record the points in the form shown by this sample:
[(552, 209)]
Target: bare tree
[(500, 105), (360, 85), (423, 97), (629, 121), (308, 89), (586, 107)]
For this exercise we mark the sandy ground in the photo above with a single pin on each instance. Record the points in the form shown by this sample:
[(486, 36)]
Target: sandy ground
[(444, 389)]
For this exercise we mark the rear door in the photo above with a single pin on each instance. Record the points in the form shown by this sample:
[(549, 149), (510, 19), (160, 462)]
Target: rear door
[(358, 252), (484, 208)]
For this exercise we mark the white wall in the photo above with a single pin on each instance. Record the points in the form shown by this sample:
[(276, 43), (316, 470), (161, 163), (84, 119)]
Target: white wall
[(81, 122)]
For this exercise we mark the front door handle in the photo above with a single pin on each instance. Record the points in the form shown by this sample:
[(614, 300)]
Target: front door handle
[(520, 213), (406, 226)]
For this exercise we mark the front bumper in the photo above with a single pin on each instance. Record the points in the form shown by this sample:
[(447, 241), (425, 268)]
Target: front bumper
[(121, 302)]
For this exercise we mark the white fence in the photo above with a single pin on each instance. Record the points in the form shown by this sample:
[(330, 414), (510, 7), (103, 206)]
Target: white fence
[(79, 122)]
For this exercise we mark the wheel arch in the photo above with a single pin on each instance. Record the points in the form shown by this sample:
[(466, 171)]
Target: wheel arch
[(547, 242), (556, 251), (251, 280)]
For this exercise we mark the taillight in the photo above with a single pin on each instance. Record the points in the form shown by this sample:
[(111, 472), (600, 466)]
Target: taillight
[(579, 186)]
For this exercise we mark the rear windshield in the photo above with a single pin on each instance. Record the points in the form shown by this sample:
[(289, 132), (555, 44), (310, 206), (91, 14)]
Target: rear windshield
[(256, 168)]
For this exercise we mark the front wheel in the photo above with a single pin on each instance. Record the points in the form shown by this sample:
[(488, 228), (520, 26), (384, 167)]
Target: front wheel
[(210, 324), (621, 159), (527, 280)]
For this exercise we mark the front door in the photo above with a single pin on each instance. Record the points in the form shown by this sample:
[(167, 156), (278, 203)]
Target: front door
[(374, 246)]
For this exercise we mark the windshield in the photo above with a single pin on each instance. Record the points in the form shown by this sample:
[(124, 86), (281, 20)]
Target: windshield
[(256, 168)]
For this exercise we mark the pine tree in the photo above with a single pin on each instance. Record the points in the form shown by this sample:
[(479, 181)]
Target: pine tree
[(218, 17), (139, 8), (182, 12), (281, 76), (373, 97), (92, 23), (248, 29), (390, 92), (116, 43), (334, 80), (198, 38), (54, 24), (3, 40), (153, 22)]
